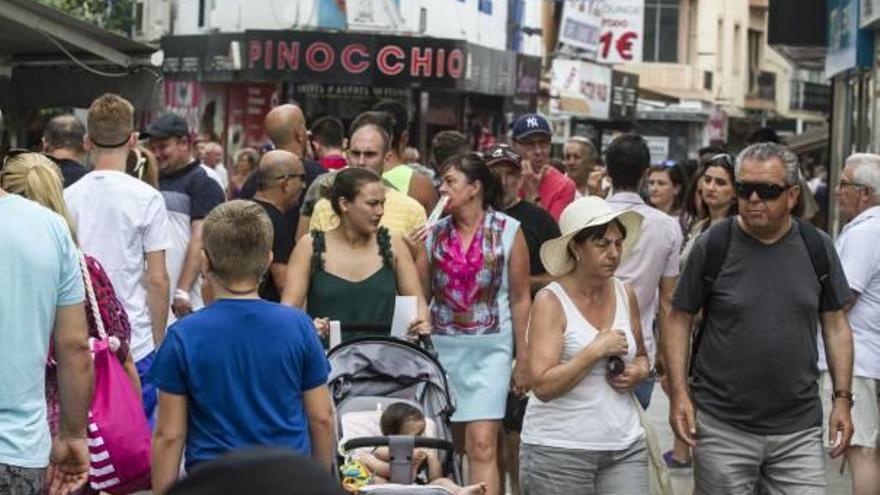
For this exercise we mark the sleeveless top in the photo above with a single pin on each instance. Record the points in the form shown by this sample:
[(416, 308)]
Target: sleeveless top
[(399, 177), (470, 289), (592, 415), (370, 300)]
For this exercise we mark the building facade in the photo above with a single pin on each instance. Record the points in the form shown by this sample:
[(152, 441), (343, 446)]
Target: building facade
[(456, 64), (707, 74)]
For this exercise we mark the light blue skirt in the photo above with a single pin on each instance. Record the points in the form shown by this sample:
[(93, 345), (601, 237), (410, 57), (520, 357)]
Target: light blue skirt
[(479, 369)]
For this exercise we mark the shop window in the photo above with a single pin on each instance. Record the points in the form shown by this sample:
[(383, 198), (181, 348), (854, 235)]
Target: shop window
[(661, 30), (755, 42)]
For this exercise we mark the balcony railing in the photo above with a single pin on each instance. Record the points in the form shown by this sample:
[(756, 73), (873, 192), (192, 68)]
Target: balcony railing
[(810, 97)]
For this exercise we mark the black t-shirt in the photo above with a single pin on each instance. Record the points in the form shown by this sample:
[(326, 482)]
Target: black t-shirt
[(537, 226), (71, 171), (282, 245), (756, 365)]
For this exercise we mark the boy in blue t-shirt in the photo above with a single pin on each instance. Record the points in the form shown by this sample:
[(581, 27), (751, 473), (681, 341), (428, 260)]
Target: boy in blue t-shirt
[(241, 372)]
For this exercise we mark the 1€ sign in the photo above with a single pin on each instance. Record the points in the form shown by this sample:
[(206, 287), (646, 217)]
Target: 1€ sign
[(622, 45)]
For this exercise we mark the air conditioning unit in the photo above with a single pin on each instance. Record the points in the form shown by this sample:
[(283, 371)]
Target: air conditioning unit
[(152, 19)]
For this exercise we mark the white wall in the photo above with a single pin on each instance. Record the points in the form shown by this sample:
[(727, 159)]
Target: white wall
[(459, 20), (445, 18)]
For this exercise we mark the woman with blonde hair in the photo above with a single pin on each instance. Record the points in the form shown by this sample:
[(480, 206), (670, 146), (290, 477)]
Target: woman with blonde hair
[(35, 177)]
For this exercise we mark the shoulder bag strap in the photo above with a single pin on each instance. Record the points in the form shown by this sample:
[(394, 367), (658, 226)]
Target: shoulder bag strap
[(92, 299)]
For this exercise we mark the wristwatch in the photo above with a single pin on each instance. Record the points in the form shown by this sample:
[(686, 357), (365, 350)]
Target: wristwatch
[(842, 394)]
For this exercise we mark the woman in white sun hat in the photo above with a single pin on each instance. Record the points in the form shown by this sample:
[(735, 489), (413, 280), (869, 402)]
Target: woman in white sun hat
[(581, 432)]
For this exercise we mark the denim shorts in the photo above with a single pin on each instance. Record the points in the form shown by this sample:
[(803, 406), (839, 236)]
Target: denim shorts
[(16, 480)]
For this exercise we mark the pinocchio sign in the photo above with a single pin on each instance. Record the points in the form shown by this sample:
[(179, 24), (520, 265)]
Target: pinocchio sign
[(368, 59)]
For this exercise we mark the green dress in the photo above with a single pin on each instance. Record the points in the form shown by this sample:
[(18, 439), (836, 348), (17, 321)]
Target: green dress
[(369, 301)]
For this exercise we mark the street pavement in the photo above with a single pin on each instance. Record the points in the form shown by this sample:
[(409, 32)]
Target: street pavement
[(682, 482)]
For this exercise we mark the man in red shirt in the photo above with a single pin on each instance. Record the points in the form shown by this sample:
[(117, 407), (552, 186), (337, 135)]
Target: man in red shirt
[(542, 184), (327, 138)]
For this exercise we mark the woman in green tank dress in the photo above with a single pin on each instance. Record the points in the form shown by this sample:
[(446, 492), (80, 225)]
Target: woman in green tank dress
[(353, 272)]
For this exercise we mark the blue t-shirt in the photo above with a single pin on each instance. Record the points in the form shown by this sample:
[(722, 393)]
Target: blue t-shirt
[(39, 271), (243, 365)]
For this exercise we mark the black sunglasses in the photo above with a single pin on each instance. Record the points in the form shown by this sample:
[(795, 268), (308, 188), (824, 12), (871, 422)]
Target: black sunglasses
[(725, 157), (290, 176), (764, 190)]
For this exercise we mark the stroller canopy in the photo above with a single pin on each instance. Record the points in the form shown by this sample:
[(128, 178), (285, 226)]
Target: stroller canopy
[(388, 367)]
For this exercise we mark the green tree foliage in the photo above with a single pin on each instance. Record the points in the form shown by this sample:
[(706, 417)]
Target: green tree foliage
[(114, 15)]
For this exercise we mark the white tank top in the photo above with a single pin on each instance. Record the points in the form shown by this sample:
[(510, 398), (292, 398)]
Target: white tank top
[(592, 415)]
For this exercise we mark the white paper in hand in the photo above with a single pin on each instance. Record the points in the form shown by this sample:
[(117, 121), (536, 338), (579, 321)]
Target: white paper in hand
[(335, 333), (404, 313)]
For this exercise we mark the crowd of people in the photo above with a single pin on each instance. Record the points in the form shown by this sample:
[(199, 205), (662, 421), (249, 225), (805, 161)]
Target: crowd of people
[(555, 299)]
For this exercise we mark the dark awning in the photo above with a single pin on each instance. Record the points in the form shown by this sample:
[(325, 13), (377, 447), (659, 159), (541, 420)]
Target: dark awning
[(48, 58)]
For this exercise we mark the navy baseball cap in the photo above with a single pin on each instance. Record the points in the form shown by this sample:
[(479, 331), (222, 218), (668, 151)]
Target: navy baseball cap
[(529, 125), (166, 126)]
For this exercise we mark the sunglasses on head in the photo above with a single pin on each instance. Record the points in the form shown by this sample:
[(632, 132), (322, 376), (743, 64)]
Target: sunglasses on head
[(764, 190), (725, 157)]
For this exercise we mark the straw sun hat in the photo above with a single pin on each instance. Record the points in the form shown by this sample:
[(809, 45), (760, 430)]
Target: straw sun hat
[(586, 212)]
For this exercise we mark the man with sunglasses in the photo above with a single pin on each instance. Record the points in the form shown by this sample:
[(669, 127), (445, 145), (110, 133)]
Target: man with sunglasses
[(280, 183), (858, 196), (756, 415)]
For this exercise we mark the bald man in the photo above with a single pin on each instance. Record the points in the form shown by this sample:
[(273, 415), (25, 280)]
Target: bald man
[(63, 141), (280, 181), (286, 127)]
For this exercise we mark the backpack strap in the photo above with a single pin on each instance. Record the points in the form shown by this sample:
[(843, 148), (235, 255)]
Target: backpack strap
[(821, 265), (717, 243)]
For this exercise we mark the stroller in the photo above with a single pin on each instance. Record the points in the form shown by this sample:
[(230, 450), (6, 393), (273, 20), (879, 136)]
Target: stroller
[(368, 374)]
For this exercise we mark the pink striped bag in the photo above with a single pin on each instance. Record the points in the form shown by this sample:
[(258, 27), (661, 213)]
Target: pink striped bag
[(119, 436)]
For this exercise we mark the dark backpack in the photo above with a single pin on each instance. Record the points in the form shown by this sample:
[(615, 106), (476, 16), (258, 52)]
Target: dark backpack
[(717, 244)]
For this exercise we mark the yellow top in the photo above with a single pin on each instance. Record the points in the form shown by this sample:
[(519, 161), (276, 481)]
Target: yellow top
[(399, 177), (402, 214)]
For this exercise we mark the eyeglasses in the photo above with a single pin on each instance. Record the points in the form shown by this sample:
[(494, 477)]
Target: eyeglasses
[(765, 191), (846, 183), (290, 176)]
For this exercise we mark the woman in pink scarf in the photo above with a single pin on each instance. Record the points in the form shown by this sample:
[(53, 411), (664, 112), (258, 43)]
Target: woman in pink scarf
[(477, 269)]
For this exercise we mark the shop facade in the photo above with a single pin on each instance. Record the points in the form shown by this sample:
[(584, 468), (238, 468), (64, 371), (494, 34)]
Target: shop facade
[(225, 83)]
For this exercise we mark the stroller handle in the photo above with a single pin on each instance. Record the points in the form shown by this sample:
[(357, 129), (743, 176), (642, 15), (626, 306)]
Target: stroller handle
[(424, 340), (418, 442)]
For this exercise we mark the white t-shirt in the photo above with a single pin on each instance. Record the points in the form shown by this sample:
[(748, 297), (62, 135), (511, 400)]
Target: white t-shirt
[(655, 256), (857, 247), (222, 174), (213, 174), (118, 219)]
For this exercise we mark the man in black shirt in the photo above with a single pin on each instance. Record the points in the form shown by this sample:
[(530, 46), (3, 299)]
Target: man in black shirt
[(280, 182), (537, 225), (63, 142), (286, 127)]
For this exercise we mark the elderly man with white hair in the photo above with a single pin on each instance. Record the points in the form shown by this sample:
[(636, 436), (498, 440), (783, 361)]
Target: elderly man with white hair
[(858, 195)]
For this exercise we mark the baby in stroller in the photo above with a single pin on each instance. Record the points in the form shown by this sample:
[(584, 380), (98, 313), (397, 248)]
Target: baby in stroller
[(401, 418)]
